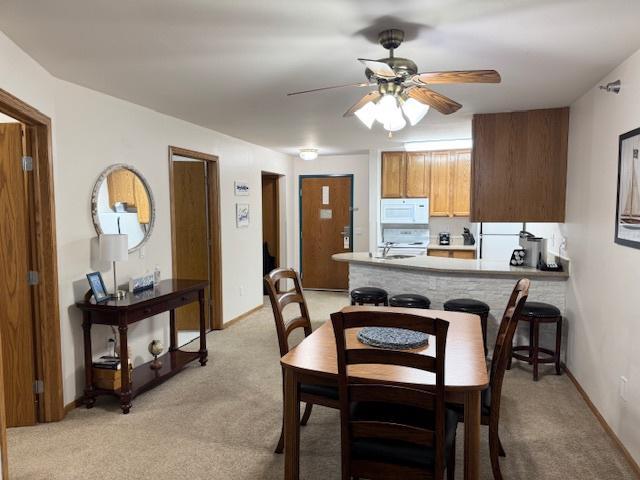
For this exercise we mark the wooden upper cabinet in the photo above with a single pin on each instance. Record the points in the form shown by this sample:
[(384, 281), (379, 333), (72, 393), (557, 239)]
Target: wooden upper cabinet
[(418, 174), (519, 166), (440, 198), (393, 175), (461, 183)]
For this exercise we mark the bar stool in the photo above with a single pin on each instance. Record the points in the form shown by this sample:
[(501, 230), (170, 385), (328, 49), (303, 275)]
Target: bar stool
[(369, 296), (536, 313), (469, 305), (409, 300)]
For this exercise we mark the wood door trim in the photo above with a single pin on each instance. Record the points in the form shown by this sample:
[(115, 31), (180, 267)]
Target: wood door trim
[(46, 297), (215, 249), (339, 175)]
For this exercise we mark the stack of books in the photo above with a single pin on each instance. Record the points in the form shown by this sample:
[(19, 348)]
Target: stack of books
[(107, 373)]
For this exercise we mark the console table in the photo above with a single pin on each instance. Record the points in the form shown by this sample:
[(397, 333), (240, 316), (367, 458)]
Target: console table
[(166, 296)]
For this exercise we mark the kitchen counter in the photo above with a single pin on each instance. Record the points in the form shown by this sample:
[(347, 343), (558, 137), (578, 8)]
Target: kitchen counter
[(441, 279), (436, 246), (450, 265)]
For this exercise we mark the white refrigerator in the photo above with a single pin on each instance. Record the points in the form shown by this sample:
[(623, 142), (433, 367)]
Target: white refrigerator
[(499, 240)]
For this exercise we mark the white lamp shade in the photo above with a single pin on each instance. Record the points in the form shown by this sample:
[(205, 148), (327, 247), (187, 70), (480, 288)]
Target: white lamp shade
[(114, 247), (386, 108), (395, 122), (367, 114), (414, 110)]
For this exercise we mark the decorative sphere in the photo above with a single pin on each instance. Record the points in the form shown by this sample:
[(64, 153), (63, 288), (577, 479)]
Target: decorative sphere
[(156, 347)]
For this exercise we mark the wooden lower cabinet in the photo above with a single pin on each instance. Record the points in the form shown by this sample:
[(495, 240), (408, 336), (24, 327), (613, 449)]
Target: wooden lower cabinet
[(466, 254)]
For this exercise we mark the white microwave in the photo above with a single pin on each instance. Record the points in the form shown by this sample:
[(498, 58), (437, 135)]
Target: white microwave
[(404, 210)]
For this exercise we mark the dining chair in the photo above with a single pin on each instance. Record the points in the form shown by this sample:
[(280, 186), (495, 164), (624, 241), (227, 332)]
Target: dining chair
[(389, 430), (491, 396), (319, 394)]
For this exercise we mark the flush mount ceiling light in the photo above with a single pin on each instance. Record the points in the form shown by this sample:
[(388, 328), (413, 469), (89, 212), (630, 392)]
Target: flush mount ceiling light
[(308, 154), (402, 93)]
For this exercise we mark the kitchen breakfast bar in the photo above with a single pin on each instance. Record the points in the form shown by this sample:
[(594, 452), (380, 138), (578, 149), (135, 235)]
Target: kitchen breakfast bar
[(441, 279)]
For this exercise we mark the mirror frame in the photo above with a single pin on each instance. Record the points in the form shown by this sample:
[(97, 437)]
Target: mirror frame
[(94, 200)]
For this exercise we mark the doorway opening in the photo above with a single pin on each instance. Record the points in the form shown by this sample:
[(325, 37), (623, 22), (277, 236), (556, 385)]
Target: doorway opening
[(326, 225), (195, 235), (31, 373), (270, 222)]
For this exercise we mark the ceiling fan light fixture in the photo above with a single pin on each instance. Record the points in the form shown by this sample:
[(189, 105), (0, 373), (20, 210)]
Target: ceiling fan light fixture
[(367, 114), (395, 122), (308, 154), (387, 108), (414, 110)]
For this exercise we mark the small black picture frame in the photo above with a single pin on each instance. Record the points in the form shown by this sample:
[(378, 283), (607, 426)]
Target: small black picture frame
[(97, 287), (627, 227)]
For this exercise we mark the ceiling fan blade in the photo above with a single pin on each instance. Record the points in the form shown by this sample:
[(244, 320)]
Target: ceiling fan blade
[(381, 69), (369, 97), (436, 100), (361, 84), (459, 76)]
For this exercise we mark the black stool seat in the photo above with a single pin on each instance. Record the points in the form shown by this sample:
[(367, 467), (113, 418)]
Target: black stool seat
[(410, 300), (539, 310), (536, 313), (369, 295), (466, 305), (469, 305)]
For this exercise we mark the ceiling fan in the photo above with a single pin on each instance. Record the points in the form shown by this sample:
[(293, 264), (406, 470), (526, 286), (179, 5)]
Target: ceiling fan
[(402, 90)]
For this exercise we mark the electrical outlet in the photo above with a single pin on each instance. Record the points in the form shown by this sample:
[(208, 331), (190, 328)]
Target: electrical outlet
[(623, 388), (241, 290)]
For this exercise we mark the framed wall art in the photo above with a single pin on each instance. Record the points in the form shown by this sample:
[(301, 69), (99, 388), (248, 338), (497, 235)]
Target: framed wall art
[(241, 188), (242, 215), (628, 198)]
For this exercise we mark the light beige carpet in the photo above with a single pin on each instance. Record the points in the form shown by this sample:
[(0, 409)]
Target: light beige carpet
[(222, 422)]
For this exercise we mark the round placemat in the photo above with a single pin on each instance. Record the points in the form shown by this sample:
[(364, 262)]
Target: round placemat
[(392, 338)]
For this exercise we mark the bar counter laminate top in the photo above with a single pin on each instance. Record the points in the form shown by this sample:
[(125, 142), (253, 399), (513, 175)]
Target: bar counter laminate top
[(449, 265)]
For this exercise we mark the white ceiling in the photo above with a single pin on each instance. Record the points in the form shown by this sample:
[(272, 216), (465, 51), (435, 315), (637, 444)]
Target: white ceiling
[(227, 64)]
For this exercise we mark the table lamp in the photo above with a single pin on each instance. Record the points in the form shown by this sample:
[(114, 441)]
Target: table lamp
[(114, 248)]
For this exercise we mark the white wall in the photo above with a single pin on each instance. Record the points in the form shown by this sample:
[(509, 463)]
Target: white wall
[(358, 165), (92, 131), (603, 314)]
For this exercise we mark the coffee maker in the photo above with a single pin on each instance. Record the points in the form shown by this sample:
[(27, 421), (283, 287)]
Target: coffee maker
[(535, 248)]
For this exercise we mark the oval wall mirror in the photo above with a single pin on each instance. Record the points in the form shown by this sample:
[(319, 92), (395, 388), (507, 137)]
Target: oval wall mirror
[(122, 202)]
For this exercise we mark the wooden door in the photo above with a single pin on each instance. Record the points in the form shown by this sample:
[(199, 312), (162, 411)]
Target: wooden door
[(325, 214), (16, 314), (418, 174), (270, 215), (461, 183), (191, 235), (393, 174), (440, 200)]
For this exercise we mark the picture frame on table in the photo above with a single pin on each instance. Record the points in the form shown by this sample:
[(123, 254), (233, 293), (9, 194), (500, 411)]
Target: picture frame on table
[(96, 283)]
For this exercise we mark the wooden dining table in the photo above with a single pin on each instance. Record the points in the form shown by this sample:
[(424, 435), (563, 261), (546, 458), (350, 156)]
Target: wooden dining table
[(314, 361)]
